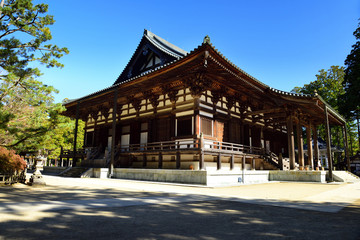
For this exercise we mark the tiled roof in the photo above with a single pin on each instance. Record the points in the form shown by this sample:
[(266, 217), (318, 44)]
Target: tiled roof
[(179, 54), (164, 45), (170, 50)]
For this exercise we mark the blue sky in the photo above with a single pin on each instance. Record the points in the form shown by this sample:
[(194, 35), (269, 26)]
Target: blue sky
[(281, 43)]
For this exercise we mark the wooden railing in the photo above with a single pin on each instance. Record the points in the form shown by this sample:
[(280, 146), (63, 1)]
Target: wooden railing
[(70, 153), (189, 144), (192, 144), (232, 147), (162, 146)]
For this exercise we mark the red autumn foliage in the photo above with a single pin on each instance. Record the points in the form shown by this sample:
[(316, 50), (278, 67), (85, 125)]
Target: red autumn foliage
[(10, 162)]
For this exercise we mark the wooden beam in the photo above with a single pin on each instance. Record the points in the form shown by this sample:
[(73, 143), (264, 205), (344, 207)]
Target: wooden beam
[(274, 115), (273, 110)]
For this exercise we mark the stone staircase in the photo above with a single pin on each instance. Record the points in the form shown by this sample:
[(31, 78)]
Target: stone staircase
[(345, 176), (74, 172)]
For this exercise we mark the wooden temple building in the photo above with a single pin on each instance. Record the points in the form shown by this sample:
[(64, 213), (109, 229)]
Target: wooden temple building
[(174, 109)]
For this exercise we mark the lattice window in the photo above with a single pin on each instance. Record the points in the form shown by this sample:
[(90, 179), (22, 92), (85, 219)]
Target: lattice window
[(206, 126)]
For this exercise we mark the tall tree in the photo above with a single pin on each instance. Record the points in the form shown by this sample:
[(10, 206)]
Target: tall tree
[(27, 113), (351, 98), (62, 136), (24, 32), (27, 110), (329, 85)]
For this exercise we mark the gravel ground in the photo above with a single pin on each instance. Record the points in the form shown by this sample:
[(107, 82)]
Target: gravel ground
[(73, 208)]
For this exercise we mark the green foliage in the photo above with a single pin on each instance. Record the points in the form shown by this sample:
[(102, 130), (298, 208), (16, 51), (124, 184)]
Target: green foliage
[(63, 136), (27, 112), (23, 33), (29, 118), (328, 85), (10, 162), (350, 100)]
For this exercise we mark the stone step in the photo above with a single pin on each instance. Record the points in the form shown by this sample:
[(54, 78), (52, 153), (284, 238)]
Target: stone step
[(74, 172), (345, 176)]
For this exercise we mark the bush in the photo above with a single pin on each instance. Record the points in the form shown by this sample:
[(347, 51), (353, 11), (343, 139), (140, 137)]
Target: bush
[(10, 163)]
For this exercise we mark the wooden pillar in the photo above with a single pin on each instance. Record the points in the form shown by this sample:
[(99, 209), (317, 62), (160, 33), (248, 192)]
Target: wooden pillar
[(160, 160), (291, 142), (75, 133), (358, 127), (242, 139), (310, 148), (243, 163), (144, 160), (113, 135), (250, 139), (262, 140), (346, 146), (93, 136), (201, 152), (316, 146), (300, 142), (178, 160), (281, 163), (232, 162), (61, 153), (219, 161), (328, 143)]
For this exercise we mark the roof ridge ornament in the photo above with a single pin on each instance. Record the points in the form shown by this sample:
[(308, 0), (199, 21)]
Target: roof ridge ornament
[(206, 39)]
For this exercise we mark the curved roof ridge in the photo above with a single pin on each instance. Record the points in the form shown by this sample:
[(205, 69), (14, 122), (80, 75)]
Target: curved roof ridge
[(164, 45), (235, 66)]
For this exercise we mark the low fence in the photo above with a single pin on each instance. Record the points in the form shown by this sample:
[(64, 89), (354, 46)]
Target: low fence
[(12, 178)]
